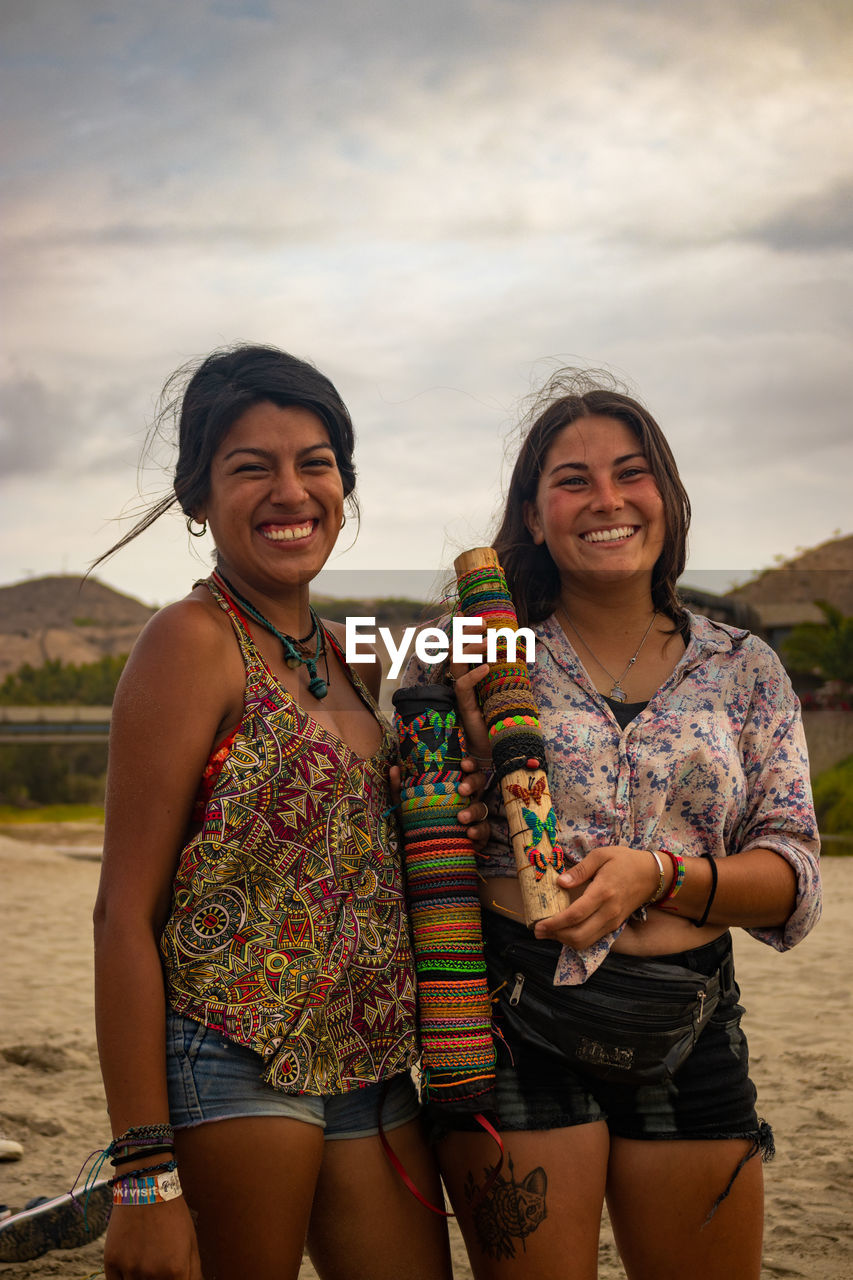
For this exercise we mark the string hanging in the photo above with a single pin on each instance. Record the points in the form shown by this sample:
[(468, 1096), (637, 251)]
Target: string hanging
[(293, 654)]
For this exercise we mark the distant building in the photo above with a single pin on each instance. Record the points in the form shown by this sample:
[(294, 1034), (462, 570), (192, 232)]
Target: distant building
[(736, 613)]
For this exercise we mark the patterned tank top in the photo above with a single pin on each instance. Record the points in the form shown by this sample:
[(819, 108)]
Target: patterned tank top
[(288, 930)]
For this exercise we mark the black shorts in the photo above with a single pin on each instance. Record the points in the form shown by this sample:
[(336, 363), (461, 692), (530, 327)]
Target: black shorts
[(711, 1095)]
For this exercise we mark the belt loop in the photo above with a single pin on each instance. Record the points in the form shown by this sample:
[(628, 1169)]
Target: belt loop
[(727, 974)]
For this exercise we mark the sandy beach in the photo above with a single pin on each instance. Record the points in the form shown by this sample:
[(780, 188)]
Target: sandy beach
[(799, 1021)]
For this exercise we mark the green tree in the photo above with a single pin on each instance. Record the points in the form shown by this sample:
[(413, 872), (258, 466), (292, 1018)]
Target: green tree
[(833, 799), (823, 649), (57, 684), (57, 773), (36, 773)]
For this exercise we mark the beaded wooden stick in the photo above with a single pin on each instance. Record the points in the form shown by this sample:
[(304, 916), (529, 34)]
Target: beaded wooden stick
[(518, 749)]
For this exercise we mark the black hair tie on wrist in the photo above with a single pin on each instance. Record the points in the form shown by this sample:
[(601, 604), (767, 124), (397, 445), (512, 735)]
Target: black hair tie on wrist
[(704, 916)]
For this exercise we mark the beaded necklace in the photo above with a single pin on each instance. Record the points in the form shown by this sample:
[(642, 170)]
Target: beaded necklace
[(294, 654)]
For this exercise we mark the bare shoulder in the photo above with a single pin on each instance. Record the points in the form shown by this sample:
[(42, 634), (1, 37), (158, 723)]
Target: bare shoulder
[(370, 672), (191, 626), (188, 649)]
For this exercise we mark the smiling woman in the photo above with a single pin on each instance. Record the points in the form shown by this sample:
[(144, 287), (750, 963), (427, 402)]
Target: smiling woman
[(275, 505), (679, 780), (597, 502), (251, 918)]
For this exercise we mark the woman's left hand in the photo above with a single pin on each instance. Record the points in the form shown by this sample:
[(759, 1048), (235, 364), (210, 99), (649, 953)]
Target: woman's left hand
[(474, 817), (610, 883)]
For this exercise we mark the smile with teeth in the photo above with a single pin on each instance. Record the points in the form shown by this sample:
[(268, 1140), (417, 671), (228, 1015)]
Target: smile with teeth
[(609, 535), (289, 532)]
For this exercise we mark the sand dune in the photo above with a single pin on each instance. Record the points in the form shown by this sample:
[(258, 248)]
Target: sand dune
[(800, 1024)]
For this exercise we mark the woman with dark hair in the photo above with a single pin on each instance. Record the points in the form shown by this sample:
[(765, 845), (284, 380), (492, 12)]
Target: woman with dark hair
[(679, 777), (254, 980)]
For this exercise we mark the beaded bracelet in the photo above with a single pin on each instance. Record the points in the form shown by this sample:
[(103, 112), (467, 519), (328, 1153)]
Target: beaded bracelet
[(677, 879), (154, 1189)]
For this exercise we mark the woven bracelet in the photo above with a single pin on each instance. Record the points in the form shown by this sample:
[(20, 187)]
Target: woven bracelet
[(677, 879), (154, 1189), (141, 1154), (139, 1175)]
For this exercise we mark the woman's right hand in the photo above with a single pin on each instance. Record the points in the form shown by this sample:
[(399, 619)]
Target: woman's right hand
[(605, 887), (152, 1242), (465, 679)]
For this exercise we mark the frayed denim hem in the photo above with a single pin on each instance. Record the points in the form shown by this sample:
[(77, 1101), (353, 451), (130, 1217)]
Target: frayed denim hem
[(763, 1144)]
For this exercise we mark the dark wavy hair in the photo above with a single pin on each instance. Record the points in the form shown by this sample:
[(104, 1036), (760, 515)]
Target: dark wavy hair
[(532, 575), (202, 400)]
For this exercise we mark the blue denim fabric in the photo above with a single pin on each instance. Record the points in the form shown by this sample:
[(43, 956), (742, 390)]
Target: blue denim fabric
[(211, 1078)]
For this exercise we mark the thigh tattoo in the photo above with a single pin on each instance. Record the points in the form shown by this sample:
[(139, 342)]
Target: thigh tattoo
[(509, 1211)]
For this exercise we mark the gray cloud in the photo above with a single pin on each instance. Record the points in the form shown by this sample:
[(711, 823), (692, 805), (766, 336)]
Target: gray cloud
[(427, 200), (33, 422), (818, 223), (297, 120), (45, 430)]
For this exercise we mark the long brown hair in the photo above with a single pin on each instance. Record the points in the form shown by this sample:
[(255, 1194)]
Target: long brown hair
[(532, 575)]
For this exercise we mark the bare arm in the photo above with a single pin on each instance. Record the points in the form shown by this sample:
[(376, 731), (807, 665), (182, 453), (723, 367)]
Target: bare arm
[(755, 888), (168, 711)]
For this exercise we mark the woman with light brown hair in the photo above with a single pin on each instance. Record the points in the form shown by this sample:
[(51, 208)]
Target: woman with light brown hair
[(678, 773)]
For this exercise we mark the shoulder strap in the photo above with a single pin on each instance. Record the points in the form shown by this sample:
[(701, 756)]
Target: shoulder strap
[(251, 658)]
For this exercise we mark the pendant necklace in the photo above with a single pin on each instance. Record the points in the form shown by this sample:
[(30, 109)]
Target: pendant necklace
[(617, 693), (294, 654)]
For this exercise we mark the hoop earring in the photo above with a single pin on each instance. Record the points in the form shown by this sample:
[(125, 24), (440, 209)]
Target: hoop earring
[(343, 519), (192, 532)]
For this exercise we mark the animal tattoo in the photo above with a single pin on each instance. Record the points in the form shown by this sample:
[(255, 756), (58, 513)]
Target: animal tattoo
[(509, 1211)]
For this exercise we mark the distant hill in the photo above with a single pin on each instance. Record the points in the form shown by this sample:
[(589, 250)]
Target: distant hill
[(44, 619), (785, 595)]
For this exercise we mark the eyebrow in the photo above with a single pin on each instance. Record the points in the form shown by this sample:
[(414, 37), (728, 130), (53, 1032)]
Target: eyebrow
[(266, 453), (583, 466)]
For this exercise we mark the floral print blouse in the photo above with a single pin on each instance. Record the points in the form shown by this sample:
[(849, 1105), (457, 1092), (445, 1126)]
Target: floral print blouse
[(716, 763)]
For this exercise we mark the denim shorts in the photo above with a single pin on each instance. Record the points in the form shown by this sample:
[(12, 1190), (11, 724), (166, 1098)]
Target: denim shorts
[(711, 1095), (212, 1078)]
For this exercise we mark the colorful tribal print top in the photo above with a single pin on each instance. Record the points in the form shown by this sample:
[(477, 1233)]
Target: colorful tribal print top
[(288, 931), (716, 763)]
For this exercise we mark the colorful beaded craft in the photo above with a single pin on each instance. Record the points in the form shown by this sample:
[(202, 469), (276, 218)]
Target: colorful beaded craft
[(509, 708), (454, 1010)]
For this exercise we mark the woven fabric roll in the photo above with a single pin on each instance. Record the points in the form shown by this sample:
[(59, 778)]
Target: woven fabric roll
[(454, 1010)]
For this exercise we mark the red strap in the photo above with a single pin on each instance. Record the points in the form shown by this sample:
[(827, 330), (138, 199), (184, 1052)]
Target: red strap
[(410, 1185)]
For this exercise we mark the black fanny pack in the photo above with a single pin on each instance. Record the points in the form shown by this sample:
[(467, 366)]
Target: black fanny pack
[(633, 1021)]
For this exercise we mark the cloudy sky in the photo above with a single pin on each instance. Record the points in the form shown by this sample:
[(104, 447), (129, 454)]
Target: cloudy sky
[(435, 202)]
